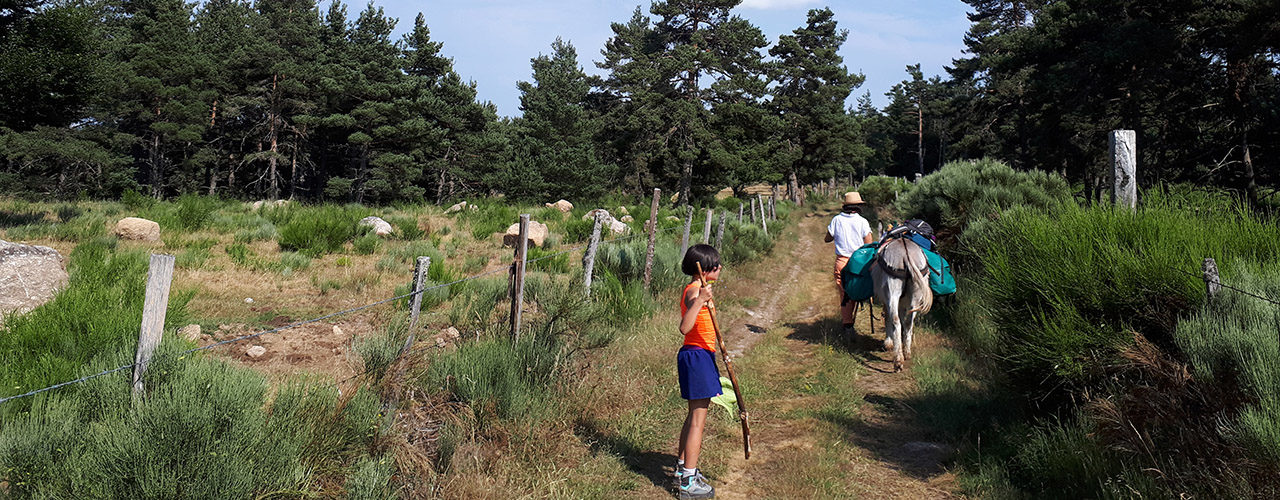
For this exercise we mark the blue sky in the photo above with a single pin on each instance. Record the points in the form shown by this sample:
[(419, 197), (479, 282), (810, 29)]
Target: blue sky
[(492, 41)]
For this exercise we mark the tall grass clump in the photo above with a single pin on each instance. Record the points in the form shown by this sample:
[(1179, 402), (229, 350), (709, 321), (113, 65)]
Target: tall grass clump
[(1064, 288), (626, 262), (1232, 342), (1086, 310), (515, 377), (490, 217), (204, 430), (315, 231)]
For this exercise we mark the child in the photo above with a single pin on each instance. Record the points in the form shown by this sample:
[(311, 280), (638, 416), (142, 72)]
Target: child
[(699, 378)]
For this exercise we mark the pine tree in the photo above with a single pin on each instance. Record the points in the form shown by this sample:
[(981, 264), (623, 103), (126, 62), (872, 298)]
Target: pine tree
[(164, 100), (554, 154), (660, 70), (821, 139)]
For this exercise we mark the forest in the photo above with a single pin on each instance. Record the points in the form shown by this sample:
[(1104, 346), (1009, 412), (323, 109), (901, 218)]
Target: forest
[(293, 99)]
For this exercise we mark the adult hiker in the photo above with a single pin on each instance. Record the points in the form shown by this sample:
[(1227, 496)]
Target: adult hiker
[(849, 230)]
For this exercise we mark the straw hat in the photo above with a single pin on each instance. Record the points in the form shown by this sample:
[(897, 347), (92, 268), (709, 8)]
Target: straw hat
[(853, 198)]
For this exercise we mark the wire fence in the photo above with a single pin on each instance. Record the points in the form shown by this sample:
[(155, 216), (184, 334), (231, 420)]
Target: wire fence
[(331, 315)]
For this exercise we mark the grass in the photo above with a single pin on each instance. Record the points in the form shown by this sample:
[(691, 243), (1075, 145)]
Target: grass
[(99, 311), (205, 429)]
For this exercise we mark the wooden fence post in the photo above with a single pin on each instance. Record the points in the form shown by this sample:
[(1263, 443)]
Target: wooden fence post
[(589, 259), (154, 307), (879, 230), (919, 176), (706, 227), (1211, 282), (517, 276), (724, 216), (653, 235), (420, 268), (773, 207), (1123, 145), (688, 221), (753, 210), (763, 220)]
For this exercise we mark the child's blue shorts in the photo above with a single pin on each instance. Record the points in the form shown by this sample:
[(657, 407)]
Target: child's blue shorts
[(699, 377)]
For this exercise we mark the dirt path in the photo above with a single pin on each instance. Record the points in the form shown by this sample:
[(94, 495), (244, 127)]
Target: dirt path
[(851, 436)]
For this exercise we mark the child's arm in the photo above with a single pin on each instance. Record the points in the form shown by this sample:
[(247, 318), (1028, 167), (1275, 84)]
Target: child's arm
[(694, 299)]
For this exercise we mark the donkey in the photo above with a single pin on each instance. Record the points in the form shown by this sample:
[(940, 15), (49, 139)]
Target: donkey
[(900, 279)]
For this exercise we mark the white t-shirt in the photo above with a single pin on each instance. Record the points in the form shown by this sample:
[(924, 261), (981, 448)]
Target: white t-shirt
[(848, 230)]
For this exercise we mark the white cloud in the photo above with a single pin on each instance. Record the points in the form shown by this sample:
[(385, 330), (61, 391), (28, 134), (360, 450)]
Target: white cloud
[(776, 4)]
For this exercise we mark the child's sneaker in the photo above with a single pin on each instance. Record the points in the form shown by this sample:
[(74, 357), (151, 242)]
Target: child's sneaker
[(694, 486)]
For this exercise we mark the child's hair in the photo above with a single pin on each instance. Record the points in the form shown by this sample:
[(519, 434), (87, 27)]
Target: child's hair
[(700, 254), (851, 209)]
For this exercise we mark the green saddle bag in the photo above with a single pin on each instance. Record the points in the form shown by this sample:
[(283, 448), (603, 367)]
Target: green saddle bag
[(856, 275)]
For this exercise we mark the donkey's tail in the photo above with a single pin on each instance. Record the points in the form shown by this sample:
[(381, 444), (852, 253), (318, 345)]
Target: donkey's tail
[(921, 294)]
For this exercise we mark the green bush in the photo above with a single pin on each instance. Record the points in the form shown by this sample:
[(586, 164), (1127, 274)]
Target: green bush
[(293, 261), (204, 430), (379, 351), (135, 201), (882, 190), (260, 230), (744, 243), (406, 227), (962, 192), (315, 231), (556, 264)]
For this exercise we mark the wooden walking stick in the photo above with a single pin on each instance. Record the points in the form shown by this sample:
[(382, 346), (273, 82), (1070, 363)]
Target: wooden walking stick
[(728, 366)]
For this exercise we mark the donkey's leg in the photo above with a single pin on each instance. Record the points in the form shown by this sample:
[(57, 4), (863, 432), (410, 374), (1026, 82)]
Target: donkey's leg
[(893, 321), (908, 327)]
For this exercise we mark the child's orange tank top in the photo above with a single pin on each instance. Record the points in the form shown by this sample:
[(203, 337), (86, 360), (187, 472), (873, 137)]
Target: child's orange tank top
[(703, 333)]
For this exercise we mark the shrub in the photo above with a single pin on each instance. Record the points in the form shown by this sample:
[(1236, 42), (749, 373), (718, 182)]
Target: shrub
[(626, 262), (556, 264), (261, 230), (135, 201), (882, 190), (406, 227), (68, 211), (239, 254), (315, 231), (744, 243), (293, 261), (962, 192), (205, 430)]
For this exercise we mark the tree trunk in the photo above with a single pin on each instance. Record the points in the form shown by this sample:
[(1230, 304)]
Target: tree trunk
[(157, 189), (1251, 189), (293, 172), (920, 134)]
